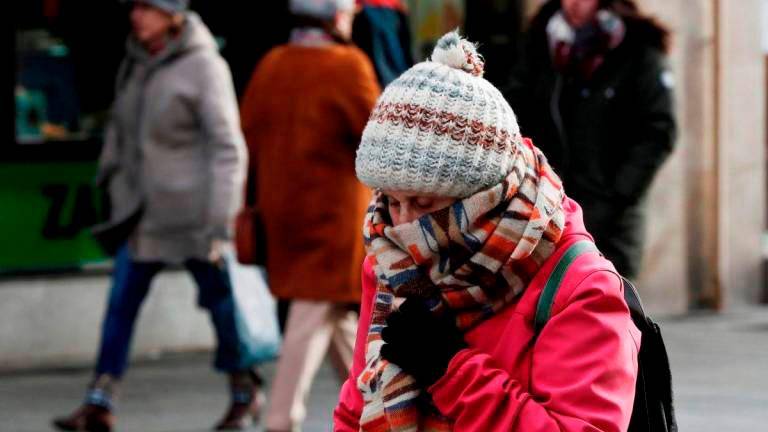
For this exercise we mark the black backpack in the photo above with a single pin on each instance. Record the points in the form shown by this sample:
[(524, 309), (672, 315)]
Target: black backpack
[(653, 408)]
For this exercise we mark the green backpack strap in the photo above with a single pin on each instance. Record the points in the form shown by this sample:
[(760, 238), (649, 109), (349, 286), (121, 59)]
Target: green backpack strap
[(547, 298)]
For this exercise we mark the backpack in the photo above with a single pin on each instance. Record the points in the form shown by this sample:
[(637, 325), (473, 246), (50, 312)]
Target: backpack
[(653, 409)]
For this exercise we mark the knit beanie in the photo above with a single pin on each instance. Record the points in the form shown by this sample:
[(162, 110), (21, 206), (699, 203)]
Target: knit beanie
[(320, 9), (440, 128), (170, 6)]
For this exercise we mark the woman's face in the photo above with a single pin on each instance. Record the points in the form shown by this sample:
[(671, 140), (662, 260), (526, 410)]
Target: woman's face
[(150, 23), (405, 207), (580, 12), (343, 22)]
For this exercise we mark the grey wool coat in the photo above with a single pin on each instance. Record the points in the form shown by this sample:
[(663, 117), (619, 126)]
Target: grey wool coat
[(174, 148)]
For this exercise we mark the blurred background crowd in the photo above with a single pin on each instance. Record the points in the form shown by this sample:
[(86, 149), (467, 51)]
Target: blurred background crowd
[(652, 111)]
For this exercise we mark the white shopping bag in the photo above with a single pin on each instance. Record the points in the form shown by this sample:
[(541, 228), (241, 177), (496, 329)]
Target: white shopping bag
[(256, 309)]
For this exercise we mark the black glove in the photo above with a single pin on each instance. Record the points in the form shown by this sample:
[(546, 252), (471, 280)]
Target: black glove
[(421, 343)]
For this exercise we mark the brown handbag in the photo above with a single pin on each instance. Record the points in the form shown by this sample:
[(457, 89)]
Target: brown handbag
[(250, 236)]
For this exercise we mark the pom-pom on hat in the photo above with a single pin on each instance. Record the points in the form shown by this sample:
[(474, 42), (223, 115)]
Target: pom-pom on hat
[(440, 128), (451, 50)]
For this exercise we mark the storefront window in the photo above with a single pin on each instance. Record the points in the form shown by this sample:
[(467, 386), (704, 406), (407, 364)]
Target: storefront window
[(46, 103), (67, 53), (430, 19)]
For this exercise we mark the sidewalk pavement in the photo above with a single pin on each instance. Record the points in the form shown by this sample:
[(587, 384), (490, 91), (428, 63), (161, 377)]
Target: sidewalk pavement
[(718, 362)]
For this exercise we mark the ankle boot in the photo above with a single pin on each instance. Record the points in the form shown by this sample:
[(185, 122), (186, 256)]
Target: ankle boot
[(95, 414), (88, 418), (247, 400)]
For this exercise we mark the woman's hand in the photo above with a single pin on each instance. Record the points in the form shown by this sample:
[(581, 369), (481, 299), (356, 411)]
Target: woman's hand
[(421, 343), (216, 252)]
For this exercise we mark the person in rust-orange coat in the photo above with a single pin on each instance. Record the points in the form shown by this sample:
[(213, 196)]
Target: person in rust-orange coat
[(303, 114)]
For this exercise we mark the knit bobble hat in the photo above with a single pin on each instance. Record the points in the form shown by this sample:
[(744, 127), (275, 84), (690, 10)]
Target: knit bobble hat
[(440, 128)]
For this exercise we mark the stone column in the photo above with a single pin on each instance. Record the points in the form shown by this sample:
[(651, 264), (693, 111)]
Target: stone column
[(720, 94), (741, 150), (664, 279)]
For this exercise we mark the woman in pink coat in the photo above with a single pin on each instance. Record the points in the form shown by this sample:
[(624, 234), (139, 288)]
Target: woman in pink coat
[(467, 224)]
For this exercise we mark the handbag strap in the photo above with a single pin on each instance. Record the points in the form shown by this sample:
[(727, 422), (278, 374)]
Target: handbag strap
[(547, 298)]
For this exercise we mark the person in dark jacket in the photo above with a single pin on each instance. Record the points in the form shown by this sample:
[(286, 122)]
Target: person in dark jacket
[(594, 92), (381, 30)]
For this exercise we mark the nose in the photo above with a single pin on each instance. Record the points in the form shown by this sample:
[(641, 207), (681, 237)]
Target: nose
[(407, 213)]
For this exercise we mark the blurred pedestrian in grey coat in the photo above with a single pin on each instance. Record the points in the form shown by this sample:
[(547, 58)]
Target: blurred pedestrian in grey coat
[(174, 163)]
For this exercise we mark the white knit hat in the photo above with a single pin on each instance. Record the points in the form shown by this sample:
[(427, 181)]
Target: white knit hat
[(321, 9), (440, 128)]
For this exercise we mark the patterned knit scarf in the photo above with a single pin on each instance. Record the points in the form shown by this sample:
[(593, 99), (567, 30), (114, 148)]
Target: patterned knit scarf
[(473, 257), (579, 52)]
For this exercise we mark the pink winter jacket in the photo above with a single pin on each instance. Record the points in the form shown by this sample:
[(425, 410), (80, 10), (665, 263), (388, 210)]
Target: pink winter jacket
[(578, 375)]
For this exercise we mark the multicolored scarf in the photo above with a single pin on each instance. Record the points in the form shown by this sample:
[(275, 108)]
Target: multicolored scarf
[(581, 51), (473, 257)]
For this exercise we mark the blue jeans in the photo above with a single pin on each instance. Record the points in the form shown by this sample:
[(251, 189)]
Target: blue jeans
[(130, 283)]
